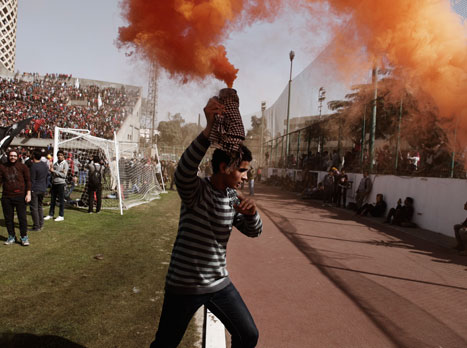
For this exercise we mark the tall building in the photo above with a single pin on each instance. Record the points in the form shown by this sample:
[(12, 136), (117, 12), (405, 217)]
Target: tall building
[(8, 20)]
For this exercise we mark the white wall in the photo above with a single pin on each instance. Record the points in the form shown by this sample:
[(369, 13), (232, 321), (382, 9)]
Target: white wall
[(129, 130), (439, 202)]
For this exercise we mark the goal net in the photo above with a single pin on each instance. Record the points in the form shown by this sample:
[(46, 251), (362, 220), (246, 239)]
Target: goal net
[(128, 178)]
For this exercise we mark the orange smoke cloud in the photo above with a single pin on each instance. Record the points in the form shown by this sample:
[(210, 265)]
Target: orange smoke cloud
[(423, 40), (183, 35)]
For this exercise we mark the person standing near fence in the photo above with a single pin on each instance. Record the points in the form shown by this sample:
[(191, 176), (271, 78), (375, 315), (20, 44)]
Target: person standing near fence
[(328, 183), (171, 173), (59, 172), (342, 185), (96, 171), (16, 182), (364, 189), (251, 181), (259, 172), (39, 171)]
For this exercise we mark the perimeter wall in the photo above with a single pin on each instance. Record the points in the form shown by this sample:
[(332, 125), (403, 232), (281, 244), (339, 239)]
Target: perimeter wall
[(439, 202)]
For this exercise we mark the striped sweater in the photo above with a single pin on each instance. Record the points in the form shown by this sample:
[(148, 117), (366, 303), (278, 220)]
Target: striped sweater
[(198, 263)]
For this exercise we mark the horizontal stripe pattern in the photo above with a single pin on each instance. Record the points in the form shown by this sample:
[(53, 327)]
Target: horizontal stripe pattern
[(198, 263)]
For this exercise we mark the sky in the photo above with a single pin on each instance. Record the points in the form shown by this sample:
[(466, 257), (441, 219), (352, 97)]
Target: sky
[(78, 38)]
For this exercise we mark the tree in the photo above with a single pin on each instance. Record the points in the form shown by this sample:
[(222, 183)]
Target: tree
[(171, 131), (255, 129), (189, 132), (317, 131)]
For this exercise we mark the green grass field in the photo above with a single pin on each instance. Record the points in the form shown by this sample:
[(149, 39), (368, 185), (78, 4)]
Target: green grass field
[(56, 293)]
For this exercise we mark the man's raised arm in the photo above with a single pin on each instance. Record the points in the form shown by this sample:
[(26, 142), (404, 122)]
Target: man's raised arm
[(186, 178)]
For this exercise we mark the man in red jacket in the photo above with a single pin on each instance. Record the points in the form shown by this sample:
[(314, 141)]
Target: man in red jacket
[(14, 176)]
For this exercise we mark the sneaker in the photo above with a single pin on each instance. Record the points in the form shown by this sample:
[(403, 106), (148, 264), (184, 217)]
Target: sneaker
[(60, 218), (10, 240), (48, 217), (25, 241)]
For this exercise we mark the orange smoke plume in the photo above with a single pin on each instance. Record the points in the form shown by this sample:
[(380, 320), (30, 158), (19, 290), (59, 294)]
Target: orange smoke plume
[(185, 36), (182, 35), (424, 41)]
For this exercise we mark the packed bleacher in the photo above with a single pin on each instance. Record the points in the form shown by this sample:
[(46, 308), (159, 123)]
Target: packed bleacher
[(56, 100)]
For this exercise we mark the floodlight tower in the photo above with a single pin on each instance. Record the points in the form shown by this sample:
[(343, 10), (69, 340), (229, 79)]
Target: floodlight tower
[(152, 97)]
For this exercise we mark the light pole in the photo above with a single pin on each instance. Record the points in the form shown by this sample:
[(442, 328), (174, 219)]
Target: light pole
[(373, 122), (321, 98), (263, 108), (291, 56)]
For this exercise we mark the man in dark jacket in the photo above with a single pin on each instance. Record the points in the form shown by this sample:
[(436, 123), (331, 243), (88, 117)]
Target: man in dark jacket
[(402, 214), (376, 210), (328, 183), (39, 171), (96, 171), (16, 182)]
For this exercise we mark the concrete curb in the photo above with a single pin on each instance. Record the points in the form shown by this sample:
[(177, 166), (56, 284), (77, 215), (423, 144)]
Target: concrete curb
[(214, 331)]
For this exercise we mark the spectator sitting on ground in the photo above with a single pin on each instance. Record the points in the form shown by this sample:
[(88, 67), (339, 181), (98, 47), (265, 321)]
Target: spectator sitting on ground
[(460, 230), (314, 193), (376, 210), (402, 215)]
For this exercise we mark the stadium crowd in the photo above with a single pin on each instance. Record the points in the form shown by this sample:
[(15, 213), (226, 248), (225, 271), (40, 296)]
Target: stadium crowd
[(54, 100)]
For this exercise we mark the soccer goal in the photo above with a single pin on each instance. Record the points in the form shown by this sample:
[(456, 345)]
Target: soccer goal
[(128, 178)]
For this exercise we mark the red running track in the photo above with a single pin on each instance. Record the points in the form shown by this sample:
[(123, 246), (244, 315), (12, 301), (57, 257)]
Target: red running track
[(319, 277)]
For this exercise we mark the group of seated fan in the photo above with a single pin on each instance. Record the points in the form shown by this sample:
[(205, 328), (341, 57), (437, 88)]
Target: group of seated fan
[(54, 100), (401, 215)]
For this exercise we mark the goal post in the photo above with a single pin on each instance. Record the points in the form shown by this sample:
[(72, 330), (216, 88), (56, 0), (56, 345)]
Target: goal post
[(119, 188), (128, 177)]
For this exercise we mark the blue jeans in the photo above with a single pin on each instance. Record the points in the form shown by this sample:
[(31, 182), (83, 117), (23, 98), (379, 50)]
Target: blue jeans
[(82, 177), (226, 304), (37, 211)]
